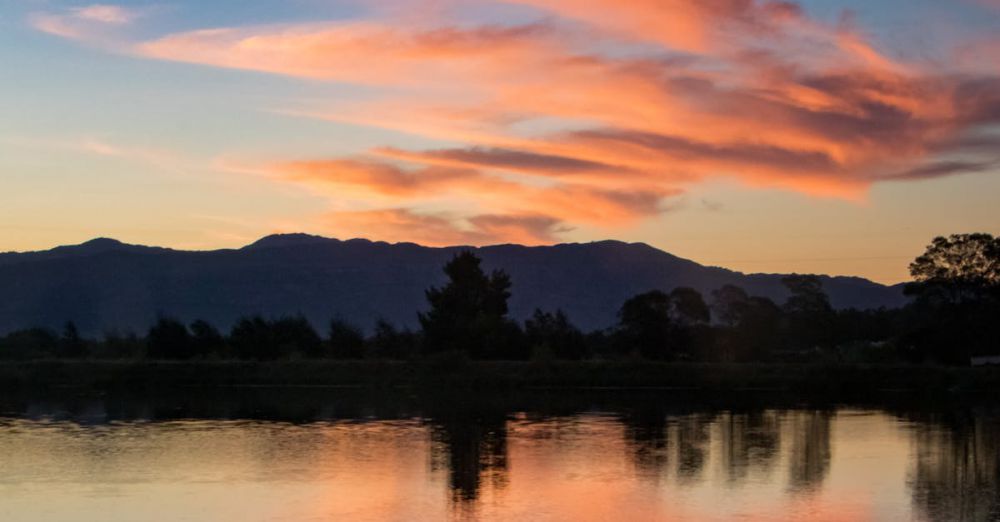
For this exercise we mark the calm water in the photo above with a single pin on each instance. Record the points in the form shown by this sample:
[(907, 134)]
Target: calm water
[(298, 457)]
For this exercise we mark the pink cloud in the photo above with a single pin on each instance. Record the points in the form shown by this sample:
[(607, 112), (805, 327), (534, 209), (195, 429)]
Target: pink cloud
[(607, 109), (370, 179), (359, 52), (404, 225)]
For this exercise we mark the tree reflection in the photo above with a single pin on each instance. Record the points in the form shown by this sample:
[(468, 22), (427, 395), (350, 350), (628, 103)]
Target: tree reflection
[(956, 474), (473, 450), (748, 442), (646, 440), (692, 445), (809, 456)]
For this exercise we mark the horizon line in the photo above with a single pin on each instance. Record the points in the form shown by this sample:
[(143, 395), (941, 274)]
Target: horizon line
[(493, 245)]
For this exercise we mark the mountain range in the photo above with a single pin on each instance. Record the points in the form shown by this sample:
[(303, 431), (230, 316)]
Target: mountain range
[(105, 284)]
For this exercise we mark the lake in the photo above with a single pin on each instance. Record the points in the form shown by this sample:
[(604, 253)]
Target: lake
[(301, 455)]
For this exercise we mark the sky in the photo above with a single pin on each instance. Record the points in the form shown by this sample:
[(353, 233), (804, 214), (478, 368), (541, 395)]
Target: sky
[(817, 136)]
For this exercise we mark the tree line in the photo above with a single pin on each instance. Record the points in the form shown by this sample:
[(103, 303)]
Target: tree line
[(952, 315)]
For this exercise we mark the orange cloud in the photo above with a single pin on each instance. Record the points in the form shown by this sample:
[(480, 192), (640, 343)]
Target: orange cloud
[(368, 179), (606, 109), (404, 225), (680, 24), (359, 52)]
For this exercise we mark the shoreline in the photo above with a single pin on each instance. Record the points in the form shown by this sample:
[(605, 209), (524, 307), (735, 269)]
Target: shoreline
[(486, 376)]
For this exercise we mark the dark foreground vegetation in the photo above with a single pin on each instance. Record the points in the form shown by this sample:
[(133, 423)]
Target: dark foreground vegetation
[(953, 316), (446, 375)]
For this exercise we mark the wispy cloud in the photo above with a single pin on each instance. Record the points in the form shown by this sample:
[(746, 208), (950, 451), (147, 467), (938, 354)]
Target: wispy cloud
[(109, 150), (604, 110), (107, 14), (86, 23), (442, 229)]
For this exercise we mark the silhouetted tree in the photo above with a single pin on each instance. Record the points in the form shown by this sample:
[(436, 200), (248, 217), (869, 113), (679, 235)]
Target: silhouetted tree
[(252, 338), (206, 340), (389, 343), (71, 345), (809, 313), (554, 334), (661, 325), (689, 322), (867, 335), (33, 343), (644, 325), (958, 268), (345, 341), (470, 313), (749, 325), (169, 339), (688, 307), (295, 336), (807, 296), (117, 345), (759, 329), (729, 304), (261, 339), (601, 344), (957, 290)]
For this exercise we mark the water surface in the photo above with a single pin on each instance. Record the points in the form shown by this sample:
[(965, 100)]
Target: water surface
[(647, 459)]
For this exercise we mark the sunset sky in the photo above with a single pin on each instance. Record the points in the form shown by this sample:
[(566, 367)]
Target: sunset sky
[(814, 136)]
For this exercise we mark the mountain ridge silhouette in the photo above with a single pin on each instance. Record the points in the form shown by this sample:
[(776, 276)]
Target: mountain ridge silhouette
[(104, 284)]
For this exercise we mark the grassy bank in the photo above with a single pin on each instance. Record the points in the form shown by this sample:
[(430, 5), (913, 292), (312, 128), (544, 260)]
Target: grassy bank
[(832, 379)]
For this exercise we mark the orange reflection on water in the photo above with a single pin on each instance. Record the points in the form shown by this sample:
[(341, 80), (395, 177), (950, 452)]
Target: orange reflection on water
[(768, 465)]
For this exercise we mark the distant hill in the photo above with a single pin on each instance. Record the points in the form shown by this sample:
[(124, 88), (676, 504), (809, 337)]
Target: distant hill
[(105, 284)]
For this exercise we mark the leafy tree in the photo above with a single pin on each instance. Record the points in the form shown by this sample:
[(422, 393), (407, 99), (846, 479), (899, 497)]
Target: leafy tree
[(688, 307), (662, 325), (810, 315), (690, 316), (957, 290), (470, 312), (750, 324), (961, 267), (169, 339), (644, 324), (807, 296), (729, 304), (554, 333), (345, 341)]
